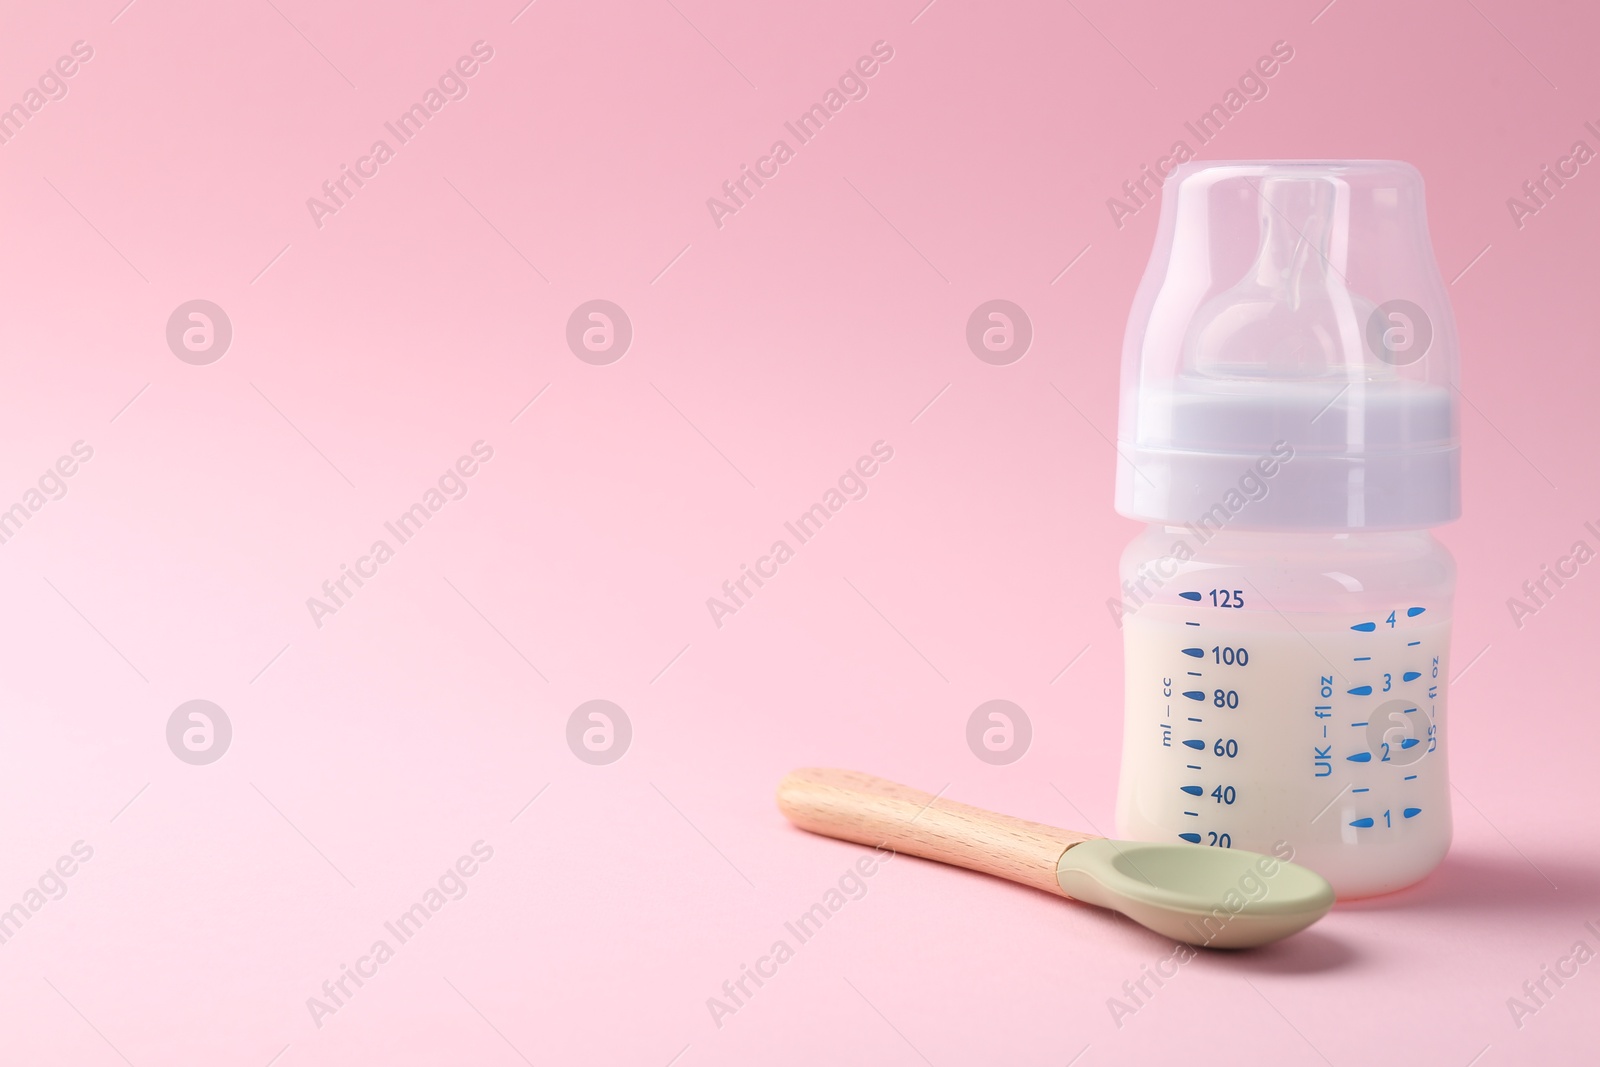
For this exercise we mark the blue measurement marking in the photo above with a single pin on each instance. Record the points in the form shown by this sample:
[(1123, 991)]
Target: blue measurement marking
[(1193, 674), (1193, 839), (1365, 627), (1358, 724), (1409, 644), (1409, 777), (1360, 757), (1363, 823), (1192, 767), (1408, 711), (1193, 790), (1363, 789), (1195, 744), (1410, 676), (1195, 652), (1410, 742), (1196, 814), (1360, 691), (1190, 596), (1191, 624), (1194, 694), (1411, 813), (1362, 659), (1412, 613), (1194, 719)]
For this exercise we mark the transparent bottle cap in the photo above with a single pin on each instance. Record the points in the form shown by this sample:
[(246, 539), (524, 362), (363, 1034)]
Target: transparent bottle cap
[(1291, 320)]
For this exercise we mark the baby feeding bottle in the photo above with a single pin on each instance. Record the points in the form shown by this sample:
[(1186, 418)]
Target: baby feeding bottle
[(1288, 431)]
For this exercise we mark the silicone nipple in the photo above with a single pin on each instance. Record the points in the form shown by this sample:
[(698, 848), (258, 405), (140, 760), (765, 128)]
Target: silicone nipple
[(1291, 316)]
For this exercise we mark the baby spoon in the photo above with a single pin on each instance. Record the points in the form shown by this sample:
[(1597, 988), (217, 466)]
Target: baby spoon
[(1212, 897)]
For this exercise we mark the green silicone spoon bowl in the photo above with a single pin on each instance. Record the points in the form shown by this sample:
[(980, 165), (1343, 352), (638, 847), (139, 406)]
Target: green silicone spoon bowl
[(1216, 897)]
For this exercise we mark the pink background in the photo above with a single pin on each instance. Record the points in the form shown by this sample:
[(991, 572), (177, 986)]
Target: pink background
[(370, 353)]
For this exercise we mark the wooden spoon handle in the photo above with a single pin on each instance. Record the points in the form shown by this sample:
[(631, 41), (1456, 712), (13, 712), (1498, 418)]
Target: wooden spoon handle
[(871, 811)]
